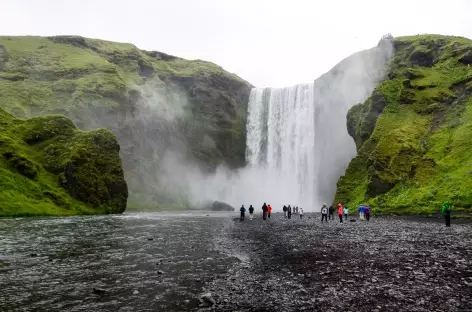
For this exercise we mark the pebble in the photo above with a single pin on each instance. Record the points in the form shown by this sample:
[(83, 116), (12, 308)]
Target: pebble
[(378, 266)]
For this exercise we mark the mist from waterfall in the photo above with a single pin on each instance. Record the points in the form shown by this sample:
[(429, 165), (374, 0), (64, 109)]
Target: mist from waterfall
[(297, 141)]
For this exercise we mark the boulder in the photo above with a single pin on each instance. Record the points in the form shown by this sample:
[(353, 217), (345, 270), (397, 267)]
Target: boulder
[(221, 206), (216, 206)]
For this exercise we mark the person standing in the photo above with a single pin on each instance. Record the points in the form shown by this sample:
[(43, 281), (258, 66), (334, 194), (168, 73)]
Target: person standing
[(367, 212), (269, 210), (346, 213), (243, 212), (446, 212), (340, 212), (264, 211), (251, 212), (285, 211), (361, 212), (324, 213), (301, 212), (289, 212), (331, 212)]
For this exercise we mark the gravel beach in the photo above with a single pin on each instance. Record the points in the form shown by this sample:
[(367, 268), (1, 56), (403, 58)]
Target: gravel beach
[(387, 264)]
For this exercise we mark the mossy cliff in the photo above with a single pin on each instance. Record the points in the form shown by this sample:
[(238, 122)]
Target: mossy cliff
[(153, 102), (414, 133), (49, 167)]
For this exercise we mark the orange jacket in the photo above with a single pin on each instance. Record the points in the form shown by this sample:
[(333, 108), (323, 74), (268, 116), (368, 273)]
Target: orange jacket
[(269, 208), (340, 209)]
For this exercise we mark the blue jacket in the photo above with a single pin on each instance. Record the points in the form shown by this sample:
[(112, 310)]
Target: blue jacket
[(242, 209)]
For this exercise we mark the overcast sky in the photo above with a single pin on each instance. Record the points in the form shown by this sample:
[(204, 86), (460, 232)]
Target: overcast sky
[(267, 42)]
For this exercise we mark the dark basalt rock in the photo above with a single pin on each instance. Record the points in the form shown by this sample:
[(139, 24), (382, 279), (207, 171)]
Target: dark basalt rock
[(221, 206), (217, 206)]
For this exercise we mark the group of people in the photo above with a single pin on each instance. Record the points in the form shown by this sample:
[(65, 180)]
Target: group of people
[(267, 210), (328, 213), (288, 211)]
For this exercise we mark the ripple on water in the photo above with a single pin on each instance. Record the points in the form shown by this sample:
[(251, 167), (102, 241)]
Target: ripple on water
[(54, 263)]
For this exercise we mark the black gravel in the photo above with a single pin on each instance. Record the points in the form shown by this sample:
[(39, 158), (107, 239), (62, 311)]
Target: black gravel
[(387, 264)]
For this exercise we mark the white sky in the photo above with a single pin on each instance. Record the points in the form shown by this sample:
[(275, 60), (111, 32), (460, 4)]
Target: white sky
[(267, 42)]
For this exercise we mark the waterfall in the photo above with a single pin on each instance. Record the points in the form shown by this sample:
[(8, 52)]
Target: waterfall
[(281, 142), (297, 144)]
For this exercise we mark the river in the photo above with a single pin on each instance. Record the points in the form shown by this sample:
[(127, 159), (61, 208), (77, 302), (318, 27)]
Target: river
[(142, 261)]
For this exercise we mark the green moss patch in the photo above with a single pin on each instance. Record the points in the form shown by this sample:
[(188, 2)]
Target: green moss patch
[(49, 167), (415, 153), (148, 99)]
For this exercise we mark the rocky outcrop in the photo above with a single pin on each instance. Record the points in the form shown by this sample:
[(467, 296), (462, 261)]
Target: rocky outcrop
[(412, 133), (217, 206), (158, 106), (49, 167)]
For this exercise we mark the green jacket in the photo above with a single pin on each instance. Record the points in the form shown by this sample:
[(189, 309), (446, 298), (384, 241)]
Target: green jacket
[(444, 207)]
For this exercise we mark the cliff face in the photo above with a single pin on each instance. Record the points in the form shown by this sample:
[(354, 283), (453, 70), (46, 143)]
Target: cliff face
[(413, 134), (49, 167), (157, 105)]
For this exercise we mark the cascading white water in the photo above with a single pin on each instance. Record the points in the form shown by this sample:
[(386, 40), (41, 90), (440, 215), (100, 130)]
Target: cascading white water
[(280, 141), (297, 141)]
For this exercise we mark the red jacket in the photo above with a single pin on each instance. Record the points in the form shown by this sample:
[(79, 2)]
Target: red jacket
[(269, 208), (340, 209)]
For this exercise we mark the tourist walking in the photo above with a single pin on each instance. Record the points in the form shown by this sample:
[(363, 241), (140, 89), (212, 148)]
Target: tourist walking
[(264, 211), (251, 212), (346, 213), (331, 213), (367, 212), (285, 211), (289, 212), (243, 212), (361, 212), (301, 212), (446, 212), (340, 212), (269, 210), (324, 213)]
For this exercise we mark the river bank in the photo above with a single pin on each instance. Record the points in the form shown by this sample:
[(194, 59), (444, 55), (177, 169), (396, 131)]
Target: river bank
[(167, 261), (387, 264)]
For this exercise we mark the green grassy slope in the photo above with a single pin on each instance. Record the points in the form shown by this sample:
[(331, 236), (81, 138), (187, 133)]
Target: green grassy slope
[(48, 167), (414, 133), (153, 102)]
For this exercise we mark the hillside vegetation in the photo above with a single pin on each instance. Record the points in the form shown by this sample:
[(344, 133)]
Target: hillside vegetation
[(49, 167), (413, 135), (153, 102)]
